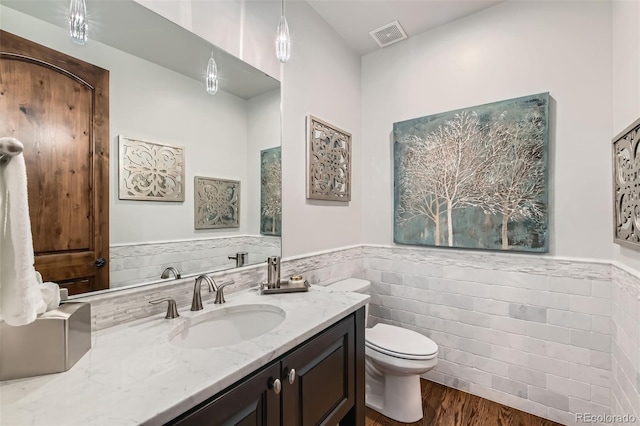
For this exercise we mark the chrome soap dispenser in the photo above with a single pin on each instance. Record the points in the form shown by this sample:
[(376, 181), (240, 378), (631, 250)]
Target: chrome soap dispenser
[(273, 272)]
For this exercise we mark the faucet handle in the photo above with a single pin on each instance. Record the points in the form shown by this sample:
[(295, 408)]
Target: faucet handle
[(220, 292), (172, 308)]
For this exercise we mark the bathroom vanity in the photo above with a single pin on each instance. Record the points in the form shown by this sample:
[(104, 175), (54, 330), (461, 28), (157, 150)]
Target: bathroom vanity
[(321, 380), (134, 374)]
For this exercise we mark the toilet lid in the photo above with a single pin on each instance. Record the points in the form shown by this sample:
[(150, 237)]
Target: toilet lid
[(400, 342)]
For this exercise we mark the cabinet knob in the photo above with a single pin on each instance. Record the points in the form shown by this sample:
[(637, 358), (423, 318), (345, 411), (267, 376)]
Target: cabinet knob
[(292, 376), (276, 385)]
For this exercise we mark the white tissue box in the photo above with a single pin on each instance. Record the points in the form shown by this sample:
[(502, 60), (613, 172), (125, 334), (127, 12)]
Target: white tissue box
[(53, 343)]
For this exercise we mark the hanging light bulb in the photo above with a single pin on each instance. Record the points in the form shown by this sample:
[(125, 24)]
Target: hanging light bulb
[(78, 22), (212, 76), (283, 42)]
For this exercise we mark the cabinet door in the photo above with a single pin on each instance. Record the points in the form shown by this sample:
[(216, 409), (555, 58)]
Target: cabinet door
[(322, 388), (252, 403)]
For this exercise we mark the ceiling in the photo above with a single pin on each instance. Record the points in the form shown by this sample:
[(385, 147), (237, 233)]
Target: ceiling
[(354, 19), (147, 35)]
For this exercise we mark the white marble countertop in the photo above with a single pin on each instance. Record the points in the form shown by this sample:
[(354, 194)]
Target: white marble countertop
[(133, 375)]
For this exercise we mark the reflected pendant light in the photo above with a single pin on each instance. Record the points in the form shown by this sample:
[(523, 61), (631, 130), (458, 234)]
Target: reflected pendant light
[(212, 76), (283, 42), (78, 22)]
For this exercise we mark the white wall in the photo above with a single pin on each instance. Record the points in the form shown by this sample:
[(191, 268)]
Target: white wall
[(322, 78), (510, 50), (152, 103), (626, 87)]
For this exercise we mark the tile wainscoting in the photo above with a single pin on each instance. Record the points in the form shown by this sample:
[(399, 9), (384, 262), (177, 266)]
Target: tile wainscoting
[(135, 263), (625, 343), (552, 337)]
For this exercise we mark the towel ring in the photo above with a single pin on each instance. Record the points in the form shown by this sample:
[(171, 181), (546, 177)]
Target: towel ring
[(9, 147)]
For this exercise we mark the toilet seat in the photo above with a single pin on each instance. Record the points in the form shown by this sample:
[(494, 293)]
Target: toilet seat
[(400, 343)]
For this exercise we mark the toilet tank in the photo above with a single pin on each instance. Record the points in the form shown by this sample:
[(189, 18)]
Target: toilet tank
[(355, 285)]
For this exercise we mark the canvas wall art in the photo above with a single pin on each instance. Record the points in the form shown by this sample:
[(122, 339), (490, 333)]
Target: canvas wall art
[(474, 177), (626, 187), (217, 203), (150, 171), (329, 161), (270, 191)]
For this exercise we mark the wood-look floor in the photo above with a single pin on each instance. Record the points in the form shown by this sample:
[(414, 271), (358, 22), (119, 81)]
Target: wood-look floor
[(445, 406)]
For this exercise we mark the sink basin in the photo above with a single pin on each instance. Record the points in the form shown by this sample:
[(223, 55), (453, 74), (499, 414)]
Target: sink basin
[(226, 326)]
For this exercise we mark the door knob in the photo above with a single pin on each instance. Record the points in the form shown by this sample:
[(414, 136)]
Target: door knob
[(100, 262)]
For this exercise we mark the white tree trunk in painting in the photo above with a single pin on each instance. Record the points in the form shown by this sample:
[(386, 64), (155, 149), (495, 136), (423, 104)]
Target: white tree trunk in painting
[(440, 170), (460, 149), (516, 178), (418, 196), (496, 166)]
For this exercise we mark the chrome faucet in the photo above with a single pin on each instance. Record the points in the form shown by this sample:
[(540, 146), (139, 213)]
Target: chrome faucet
[(196, 303), (167, 273), (240, 258)]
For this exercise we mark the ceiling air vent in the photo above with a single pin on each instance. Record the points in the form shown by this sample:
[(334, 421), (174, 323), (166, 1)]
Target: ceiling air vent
[(388, 34)]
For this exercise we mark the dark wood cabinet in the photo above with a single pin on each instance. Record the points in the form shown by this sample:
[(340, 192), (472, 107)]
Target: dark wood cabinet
[(320, 382), (319, 378), (253, 402)]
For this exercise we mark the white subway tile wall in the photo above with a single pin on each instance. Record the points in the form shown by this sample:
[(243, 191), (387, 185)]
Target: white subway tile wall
[(550, 337), (528, 332), (625, 345), (136, 263)]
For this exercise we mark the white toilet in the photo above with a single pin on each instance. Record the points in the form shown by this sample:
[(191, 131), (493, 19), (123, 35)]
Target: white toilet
[(395, 359)]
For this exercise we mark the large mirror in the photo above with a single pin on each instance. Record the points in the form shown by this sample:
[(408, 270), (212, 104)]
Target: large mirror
[(157, 95)]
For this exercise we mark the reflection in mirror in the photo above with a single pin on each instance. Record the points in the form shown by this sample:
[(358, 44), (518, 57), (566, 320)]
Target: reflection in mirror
[(157, 93)]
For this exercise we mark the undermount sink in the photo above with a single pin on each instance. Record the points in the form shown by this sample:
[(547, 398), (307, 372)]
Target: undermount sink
[(226, 326)]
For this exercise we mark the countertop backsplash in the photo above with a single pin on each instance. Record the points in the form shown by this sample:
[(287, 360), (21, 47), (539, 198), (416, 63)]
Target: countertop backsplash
[(117, 307)]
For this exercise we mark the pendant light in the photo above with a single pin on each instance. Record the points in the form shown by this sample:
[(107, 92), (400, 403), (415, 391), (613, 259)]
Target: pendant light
[(283, 42), (78, 22), (212, 76)]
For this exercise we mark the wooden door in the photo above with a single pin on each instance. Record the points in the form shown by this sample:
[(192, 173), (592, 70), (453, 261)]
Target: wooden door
[(321, 390), (252, 403), (58, 107)]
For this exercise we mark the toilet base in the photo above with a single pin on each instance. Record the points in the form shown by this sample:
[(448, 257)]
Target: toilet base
[(396, 397)]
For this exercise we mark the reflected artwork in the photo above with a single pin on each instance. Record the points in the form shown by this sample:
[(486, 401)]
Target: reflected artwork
[(475, 177), (217, 203), (270, 193), (150, 171)]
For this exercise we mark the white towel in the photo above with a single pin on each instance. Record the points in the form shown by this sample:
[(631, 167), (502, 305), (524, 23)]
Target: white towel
[(50, 293), (20, 296)]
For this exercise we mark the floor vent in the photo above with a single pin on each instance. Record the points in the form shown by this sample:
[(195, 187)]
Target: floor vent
[(389, 34)]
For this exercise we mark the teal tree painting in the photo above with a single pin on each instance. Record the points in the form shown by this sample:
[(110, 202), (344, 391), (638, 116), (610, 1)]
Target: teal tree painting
[(270, 191), (475, 177)]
